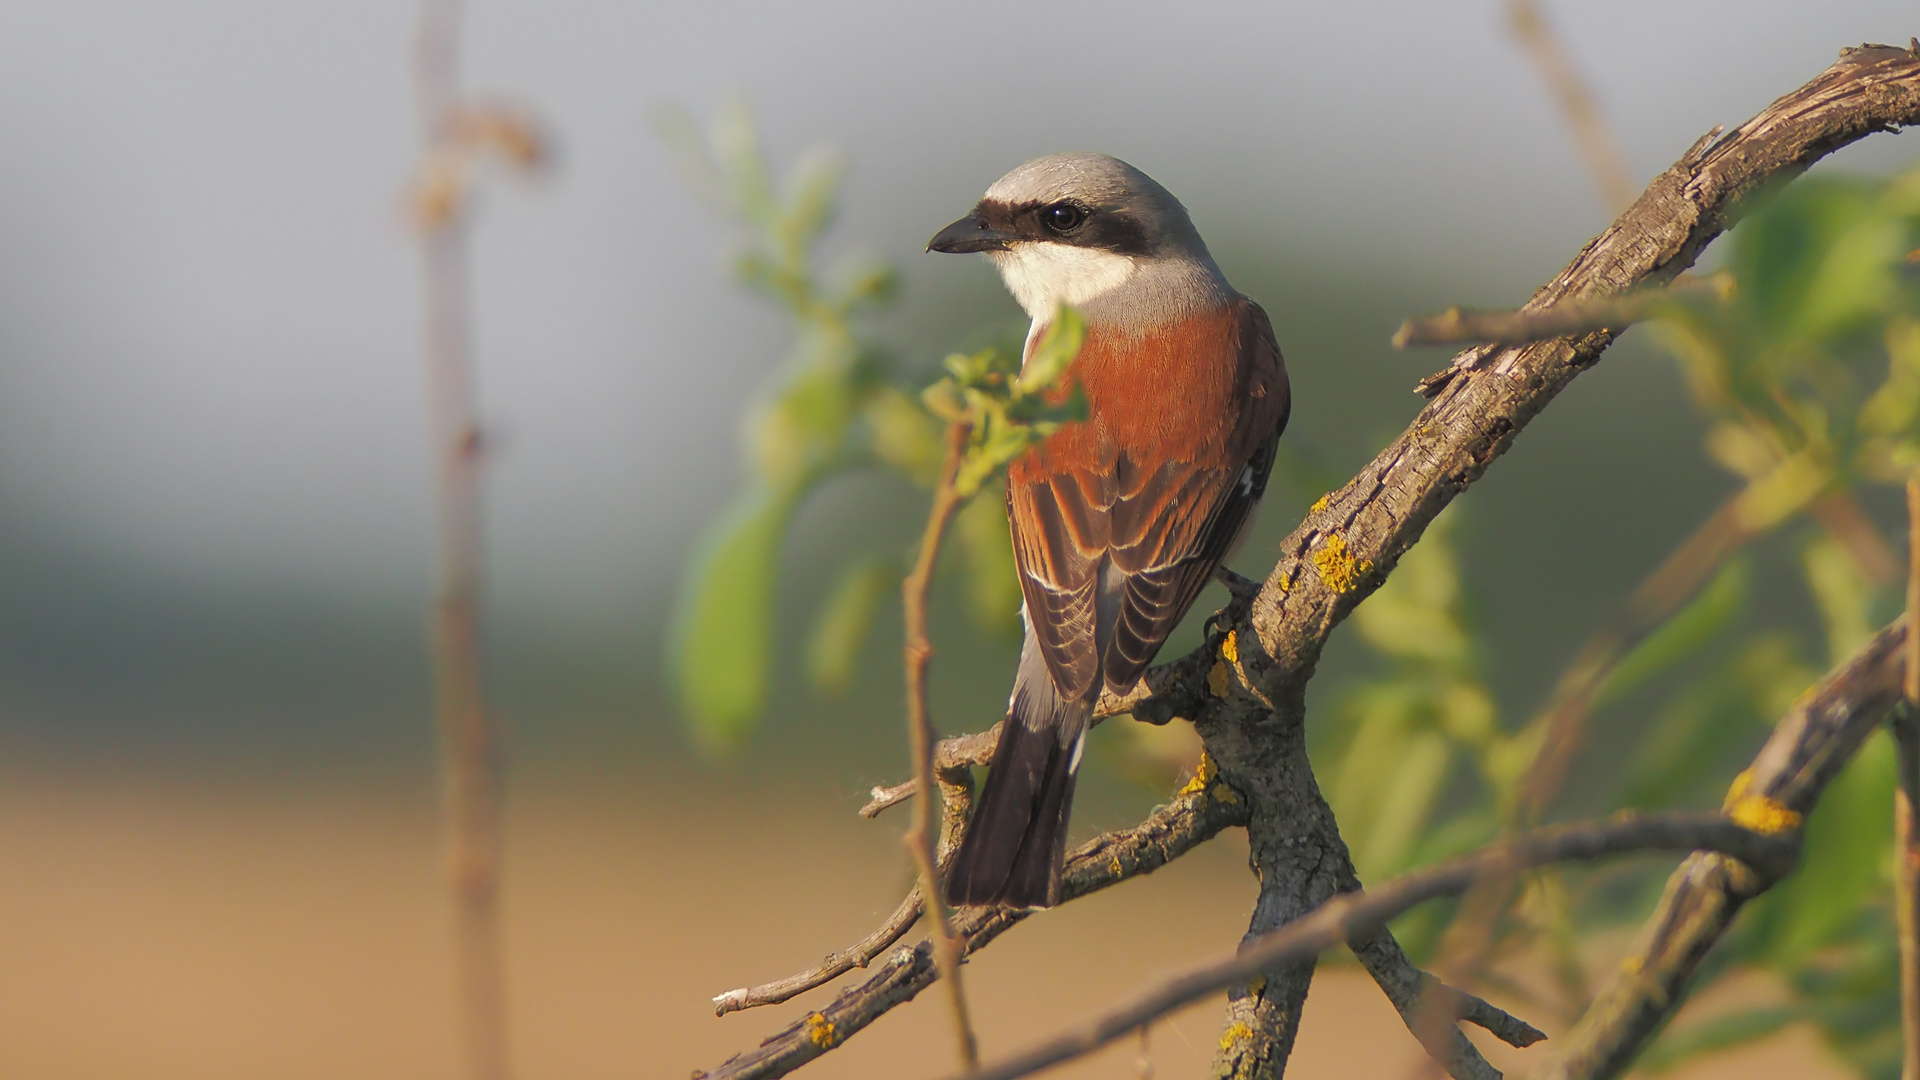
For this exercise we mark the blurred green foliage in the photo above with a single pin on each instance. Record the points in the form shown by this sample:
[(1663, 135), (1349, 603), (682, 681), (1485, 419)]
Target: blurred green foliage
[(840, 403), (1006, 406), (1806, 375)]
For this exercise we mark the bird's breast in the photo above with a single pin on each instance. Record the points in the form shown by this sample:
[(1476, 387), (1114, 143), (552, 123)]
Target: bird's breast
[(1172, 393)]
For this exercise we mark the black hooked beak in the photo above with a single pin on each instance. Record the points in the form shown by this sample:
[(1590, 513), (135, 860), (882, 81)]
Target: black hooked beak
[(970, 233)]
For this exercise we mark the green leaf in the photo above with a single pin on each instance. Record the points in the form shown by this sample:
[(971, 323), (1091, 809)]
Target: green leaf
[(1413, 785), (1849, 837), (721, 641), (687, 145), (807, 196), (736, 150), (1413, 616), (1055, 352), (1720, 1033), (1691, 627), (1843, 592), (845, 617), (904, 436), (986, 543), (1819, 258), (1706, 720), (1894, 407)]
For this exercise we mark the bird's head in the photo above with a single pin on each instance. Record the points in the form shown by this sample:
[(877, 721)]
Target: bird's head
[(1081, 228)]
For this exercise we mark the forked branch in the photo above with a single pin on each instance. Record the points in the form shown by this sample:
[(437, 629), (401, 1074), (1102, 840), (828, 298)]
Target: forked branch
[(1349, 915), (1245, 687), (1807, 749)]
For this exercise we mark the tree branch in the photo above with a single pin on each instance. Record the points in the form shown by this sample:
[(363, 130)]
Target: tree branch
[(1195, 815), (1350, 915), (919, 653), (1806, 751), (1244, 689), (835, 965), (1458, 325), (1410, 990), (1906, 846), (1353, 537), (1606, 161)]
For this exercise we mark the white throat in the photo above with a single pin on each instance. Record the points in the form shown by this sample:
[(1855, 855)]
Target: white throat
[(1042, 276)]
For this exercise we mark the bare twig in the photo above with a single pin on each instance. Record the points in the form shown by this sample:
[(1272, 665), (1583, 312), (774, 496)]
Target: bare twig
[(1166, 692), (835, 965), (951, 757), (1193, 817), (1807, 750), (956, 798), (1458, 325), (1906, 846), (1606, 162), (1421, 999), (1251, 716), (1351, 914), (919, 651), (469, 746)]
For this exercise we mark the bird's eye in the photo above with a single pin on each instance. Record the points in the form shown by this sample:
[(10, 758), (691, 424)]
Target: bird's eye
[(1063, 217)]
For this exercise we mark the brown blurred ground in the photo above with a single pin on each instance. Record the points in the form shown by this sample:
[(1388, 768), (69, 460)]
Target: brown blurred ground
[(197, 928)]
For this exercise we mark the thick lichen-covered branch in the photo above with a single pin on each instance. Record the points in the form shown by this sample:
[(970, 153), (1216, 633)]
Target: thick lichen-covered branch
[(1786, 778), (1350, 915), (1192, 818), (1249, 707), (1480, 405)]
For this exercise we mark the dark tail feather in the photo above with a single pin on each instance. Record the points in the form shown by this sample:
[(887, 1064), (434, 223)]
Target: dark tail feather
[(1018, 833)]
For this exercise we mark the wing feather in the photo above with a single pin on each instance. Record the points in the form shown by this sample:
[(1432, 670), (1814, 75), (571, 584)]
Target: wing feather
[(1115, 545)]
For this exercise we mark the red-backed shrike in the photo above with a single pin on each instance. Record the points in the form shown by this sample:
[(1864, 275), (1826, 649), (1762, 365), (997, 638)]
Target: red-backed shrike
[(1118, 520)]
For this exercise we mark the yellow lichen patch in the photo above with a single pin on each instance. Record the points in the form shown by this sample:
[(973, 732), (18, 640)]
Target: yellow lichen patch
[(1763, 814), (1230, 648), (1203, 775), (1768, 817), (1320, 503), (1339, 570), (1116, 867), (1236, 1033), (1738, 788), (1217, 678), (1225, 794), (820, 1031)]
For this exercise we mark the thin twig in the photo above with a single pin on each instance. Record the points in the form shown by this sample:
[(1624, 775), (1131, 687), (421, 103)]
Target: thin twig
[(1190, 819), (1477, 410), (1351, 914), (1906, 876), (1160, 686), (1606, 162), (835, 965), (469, 745), (1458, 325), (919, 652), (1808, 748), (1418, 997)]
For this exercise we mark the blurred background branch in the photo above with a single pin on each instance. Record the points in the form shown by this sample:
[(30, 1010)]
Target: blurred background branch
[(456, 138), (1599, 147)]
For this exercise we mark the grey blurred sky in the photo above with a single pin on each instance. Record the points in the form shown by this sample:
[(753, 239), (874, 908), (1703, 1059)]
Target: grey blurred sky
[(208, 362)]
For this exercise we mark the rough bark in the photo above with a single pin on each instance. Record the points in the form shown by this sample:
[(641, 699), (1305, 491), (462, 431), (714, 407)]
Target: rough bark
[(1352, 538), (1245, 688)]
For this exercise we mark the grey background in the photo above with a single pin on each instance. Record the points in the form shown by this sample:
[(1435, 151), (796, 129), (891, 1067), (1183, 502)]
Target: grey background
[(213, 526)]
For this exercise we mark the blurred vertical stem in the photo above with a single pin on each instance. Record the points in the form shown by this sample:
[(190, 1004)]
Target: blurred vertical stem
[(469, 749), (1606, 162), (1906, 877), (919, 652)]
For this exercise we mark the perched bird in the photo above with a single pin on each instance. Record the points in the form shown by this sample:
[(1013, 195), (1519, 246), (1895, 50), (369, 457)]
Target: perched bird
[(1118, 520)]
